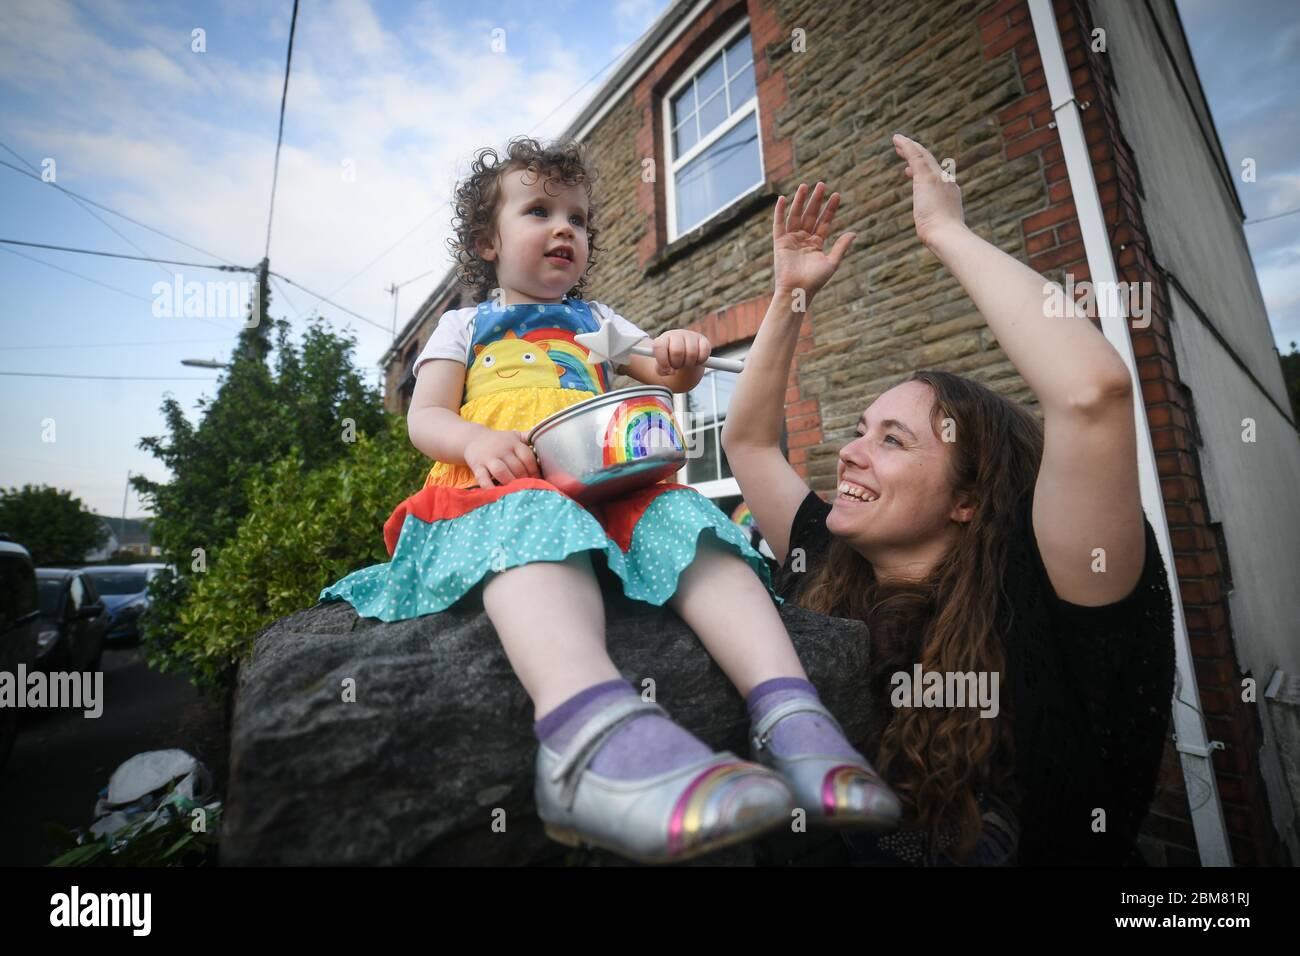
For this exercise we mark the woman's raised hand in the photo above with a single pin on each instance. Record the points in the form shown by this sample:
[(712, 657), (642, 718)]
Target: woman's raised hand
[(799, 234), (936, 199)]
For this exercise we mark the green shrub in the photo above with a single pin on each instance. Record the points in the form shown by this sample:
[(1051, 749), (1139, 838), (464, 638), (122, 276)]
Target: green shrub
[(298, 406), (172, 842), (304, 531)]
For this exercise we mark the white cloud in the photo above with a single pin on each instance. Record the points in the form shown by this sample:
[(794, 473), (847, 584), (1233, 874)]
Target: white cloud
[(635, 16), (186, 141)]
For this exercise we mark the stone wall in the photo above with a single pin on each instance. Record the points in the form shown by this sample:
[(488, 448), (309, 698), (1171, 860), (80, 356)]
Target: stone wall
[(827, 114)]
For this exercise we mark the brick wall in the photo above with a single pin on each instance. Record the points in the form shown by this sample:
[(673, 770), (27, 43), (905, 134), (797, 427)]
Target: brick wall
[(827, 114), (715, 279), (1052, 241), (965, 79)]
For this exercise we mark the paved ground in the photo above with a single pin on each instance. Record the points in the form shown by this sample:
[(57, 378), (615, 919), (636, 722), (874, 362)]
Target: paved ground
[(62, 759)]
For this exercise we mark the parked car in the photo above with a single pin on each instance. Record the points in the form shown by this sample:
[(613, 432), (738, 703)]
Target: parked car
[(125, 590), (19, 623), (74, 621)]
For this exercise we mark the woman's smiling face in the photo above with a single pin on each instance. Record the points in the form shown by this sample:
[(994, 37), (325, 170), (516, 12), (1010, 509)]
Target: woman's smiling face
[(537, 217), (894, 488)]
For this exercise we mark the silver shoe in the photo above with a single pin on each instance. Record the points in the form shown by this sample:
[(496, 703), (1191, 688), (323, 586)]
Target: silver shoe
[(831, 789), (682, 813)]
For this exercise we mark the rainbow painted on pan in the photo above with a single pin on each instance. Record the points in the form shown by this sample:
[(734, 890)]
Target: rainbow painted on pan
[(640, 427)]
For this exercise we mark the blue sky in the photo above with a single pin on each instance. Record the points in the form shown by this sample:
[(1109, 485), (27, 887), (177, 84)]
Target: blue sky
[(387, 102), (400, 94), (1248, 58)]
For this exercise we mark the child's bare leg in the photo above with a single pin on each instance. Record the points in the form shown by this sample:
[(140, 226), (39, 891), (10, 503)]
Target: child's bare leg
[(723, 601), (550, 617), (729, 609)]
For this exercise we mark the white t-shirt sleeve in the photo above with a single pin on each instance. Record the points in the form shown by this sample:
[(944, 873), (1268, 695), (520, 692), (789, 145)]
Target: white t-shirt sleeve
[(450, 339), (623, 325)]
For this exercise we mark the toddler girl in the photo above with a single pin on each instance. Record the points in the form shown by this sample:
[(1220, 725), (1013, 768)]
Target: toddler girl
[(612, 770)]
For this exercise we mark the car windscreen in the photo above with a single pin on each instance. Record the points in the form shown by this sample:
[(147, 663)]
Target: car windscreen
[(119, 582), (50, 588)]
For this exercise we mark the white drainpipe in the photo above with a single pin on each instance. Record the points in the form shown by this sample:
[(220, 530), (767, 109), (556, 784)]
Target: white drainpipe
[(1189, 727)]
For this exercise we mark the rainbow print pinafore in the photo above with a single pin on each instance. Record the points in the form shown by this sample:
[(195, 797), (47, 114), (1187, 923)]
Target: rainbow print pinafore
[(522, 365)]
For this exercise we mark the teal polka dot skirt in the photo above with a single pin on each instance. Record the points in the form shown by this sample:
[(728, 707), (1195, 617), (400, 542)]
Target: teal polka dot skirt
[(448, 540)]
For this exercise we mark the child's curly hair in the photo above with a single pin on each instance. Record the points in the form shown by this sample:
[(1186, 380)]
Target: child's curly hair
[(478, 196)]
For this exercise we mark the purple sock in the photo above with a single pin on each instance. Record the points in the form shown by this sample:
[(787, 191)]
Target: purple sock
[(644, 746), (799, 733)]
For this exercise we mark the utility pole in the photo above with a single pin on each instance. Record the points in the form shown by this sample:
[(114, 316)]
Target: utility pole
[(122, 527), (263, 277), (392, 290)]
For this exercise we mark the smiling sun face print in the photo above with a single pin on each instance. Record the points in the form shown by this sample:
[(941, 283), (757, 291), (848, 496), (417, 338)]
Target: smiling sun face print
[(511, 362)]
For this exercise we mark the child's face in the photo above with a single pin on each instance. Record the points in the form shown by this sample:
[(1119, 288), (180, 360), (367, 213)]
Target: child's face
[(536, 216)]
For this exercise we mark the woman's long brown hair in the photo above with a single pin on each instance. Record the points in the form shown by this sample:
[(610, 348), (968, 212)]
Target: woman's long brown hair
[(936, 758)]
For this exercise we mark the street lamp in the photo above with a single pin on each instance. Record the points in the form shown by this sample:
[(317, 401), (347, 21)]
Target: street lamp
[(205, 363)]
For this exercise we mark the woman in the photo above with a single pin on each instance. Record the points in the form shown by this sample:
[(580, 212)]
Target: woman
[(974, 541)]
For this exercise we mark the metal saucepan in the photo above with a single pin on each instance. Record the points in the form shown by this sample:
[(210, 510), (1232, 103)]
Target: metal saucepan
[(610, 444)]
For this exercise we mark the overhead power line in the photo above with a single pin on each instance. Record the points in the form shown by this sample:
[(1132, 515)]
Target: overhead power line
[(410, 232), (51, 265), (105, 285), (86, 204), (56, 464), (123, 255), (321, 298), (287, 298), (119, 255), (109, 345), (83, 205), (416, 279), (120, 215), (417, 226), (1289, 212), (115, 378), (279, 138), (584, 85)]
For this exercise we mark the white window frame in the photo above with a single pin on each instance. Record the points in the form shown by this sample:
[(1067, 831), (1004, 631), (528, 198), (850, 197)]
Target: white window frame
[(734, 118), (719, 487)]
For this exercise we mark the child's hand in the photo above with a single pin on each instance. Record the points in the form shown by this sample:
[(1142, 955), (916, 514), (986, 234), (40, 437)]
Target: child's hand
[(680, 348), (798, 242), (503, 455)]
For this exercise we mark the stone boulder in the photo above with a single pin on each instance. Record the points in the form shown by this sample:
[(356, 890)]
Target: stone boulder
[(436, 751)]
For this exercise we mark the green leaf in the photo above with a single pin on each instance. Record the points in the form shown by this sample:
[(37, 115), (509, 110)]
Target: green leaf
[(188, 838), (265, 486), (80, 855)]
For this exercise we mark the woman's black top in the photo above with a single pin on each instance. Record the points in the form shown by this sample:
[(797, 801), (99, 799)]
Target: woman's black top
[(1090, 691)]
